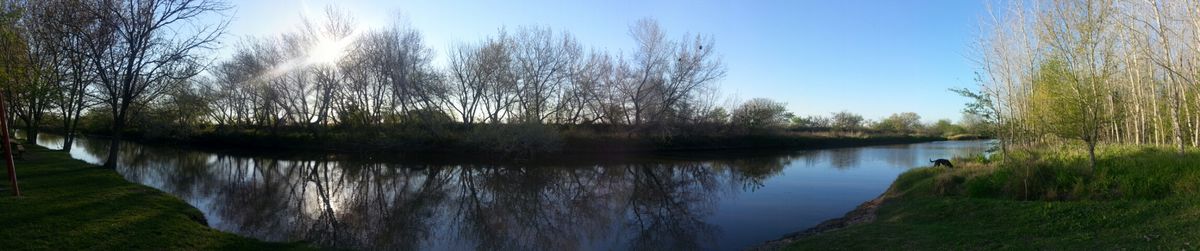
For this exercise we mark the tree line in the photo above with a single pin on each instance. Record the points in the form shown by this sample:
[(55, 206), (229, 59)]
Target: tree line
[(120, 66), (529, 75), (1096, 71)]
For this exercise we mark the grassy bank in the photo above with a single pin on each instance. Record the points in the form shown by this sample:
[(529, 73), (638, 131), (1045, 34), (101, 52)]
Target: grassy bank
[(967, 137), (1137, 198), (71, 205)]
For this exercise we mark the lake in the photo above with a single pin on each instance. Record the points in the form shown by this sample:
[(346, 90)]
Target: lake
[(692, 201)]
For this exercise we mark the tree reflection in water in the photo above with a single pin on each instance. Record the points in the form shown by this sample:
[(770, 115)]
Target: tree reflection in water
[(844, 158), (645, 206), (668, 205), (751, 173), (642, 205)]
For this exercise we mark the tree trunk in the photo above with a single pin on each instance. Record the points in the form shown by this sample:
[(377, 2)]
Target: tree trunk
[(1175, 123), (71, 132), (66, 147), (1092, 154), (114, 147), (68, 140), (31, 132)]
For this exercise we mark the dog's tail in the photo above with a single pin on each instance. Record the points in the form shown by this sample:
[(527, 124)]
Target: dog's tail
[(931, 161)]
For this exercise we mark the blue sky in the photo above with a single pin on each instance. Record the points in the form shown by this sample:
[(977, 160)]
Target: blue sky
[(870, 57)]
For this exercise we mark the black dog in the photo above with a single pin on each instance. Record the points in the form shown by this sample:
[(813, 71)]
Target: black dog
[(941, 162)]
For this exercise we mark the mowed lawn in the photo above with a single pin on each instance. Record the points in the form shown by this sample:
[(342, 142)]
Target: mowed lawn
[(72, 205)]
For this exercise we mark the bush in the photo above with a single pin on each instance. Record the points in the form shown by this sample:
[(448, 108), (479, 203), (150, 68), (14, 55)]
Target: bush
[(760, 115), (515, 140), (846, 121), (1123, 172), (907, 122)]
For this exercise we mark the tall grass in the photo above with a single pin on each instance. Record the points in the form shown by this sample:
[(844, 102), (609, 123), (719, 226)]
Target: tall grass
[(1062, 173)]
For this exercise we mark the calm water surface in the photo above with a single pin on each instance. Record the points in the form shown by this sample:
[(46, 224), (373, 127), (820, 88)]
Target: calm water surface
[(708, 202)]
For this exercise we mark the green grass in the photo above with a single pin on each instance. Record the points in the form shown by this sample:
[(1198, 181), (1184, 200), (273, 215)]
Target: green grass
[(1136, 198), (72, 205)]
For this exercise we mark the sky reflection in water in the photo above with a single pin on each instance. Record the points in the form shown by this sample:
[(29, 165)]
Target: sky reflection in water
[(713, 202)]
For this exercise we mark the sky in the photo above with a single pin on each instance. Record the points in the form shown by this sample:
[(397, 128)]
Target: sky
[(874, 58)]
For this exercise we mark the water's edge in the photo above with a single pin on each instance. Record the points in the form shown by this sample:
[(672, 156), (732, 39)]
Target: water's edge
[(572, 149), (864, 213)]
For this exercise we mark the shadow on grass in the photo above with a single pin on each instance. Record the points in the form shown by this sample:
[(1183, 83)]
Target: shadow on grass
[(72, 205)]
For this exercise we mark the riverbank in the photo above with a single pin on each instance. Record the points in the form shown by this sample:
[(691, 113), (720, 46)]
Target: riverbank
[(1137, 198), (507, 145), (501, 148), (71, 205)]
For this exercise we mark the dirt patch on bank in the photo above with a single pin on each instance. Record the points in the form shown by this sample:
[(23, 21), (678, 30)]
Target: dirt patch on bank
[(864, 213)]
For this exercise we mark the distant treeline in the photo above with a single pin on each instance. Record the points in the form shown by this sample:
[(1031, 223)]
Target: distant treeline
[(784, 130), (140, 67)]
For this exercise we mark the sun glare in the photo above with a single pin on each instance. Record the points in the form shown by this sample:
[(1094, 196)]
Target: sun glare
[(328, 51)]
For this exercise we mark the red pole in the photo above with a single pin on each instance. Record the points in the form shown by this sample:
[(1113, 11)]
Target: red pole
[(8, 159)]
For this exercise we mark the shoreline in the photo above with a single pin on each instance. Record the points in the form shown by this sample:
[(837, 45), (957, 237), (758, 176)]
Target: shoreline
[(1148, 201), (573, 150), (69, 204), (862, 214)]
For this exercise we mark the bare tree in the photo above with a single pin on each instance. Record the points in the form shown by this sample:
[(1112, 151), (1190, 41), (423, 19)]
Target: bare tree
[(500, 81), (400, 67), (468, 82), (70, 24), (151, 43), (667, 78), (543, 66)]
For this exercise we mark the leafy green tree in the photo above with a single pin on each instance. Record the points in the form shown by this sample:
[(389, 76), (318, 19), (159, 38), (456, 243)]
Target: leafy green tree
[(1069, 105), (906, 122), (13, 54), (945, 128), (981, 115)]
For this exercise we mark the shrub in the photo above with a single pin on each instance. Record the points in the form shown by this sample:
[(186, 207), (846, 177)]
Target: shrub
[(760, 115), (515, 140), (907, 122), (1124, 172)]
